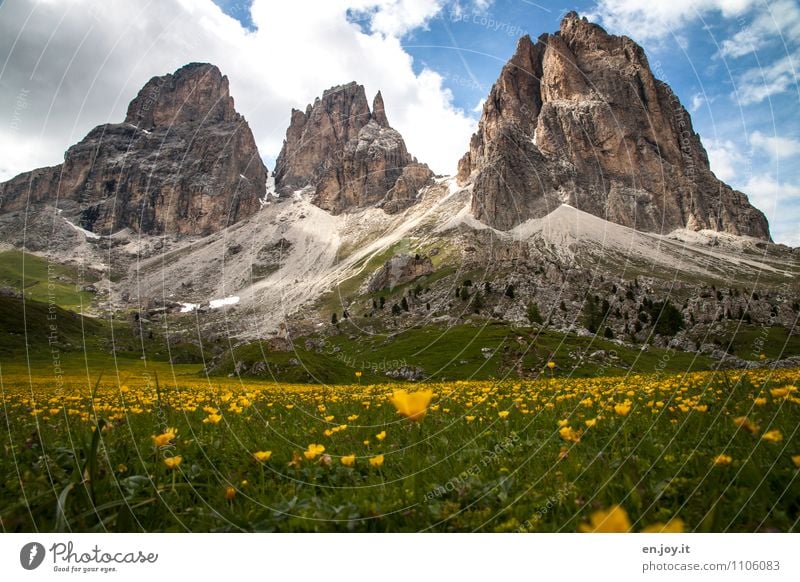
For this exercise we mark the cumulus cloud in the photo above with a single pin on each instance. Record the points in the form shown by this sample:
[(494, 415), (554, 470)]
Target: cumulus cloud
[(763, 82), (774, 145), (80, 62), (725, 158), (779, 21), (780, 201), (658, 20)]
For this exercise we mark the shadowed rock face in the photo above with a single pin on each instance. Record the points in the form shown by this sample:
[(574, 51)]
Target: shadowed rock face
[(183, 162), (348, 154), (579, 118)]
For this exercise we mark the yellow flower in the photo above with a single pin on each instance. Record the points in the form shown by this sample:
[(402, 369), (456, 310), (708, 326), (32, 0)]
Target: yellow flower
[(376, 461), (381, 435), (701, 408), (352, 417), (745, 423), (591, 422), (358, 374), (568, 434), (469, 418), (672, 526), (614, 520), (329, 418), (796, 461), (348, 460), (622, 409), (503, 414), (230, 493), (165, 438), (173, 462), (262, 456), (773, 436), (760, 401), (313, 451), (782, 392), (551, 364), (212, 419), (723, 460), (414, 405)]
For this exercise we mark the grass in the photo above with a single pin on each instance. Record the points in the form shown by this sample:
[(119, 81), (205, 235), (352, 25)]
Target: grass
[(455, 353), (43, 281), (749, 342), (546, 455)]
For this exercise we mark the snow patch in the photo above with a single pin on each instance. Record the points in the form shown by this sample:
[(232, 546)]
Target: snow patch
[(189, 307), (83, 231), (217, 303)]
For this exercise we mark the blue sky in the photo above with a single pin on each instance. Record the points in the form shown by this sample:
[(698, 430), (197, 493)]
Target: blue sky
[(71, 66), (720, 59)]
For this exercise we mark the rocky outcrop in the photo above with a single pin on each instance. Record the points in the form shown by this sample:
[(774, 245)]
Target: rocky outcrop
[(183, 162), (579, 118), (349, 155), (400, 269)]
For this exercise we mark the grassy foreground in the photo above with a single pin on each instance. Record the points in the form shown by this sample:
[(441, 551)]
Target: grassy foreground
[(698, 452)]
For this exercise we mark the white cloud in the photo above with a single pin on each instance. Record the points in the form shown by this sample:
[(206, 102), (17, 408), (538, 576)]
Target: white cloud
[(664, 19), (776, 22), (81, 62), (725, 158), (698, 100), (780, 201), (397, 17), (774, 145), (760, 83)]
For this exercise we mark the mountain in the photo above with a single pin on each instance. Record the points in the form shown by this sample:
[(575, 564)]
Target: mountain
[(579, 118), (349, 156), (183, 162)]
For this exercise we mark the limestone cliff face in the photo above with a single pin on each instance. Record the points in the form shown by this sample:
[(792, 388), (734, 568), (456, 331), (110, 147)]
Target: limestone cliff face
[(579, 118), (348, 154), (183, 162)]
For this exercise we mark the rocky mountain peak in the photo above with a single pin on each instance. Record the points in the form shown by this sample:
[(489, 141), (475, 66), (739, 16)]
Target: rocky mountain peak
[(579, 118), (379, 111), (348, 154), (195, 93), (183, 162)]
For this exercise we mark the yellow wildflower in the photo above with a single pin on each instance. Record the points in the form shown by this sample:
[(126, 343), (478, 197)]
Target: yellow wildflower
[(212, 419), (744, 422), (773, 436), (230, 493), (348, 460), (796, 460), (412, 405), (723, 459), (622, 409), (165, 438), (570, 435), (503, 414), (381, 435), (313, 451), (262, 456), (173, 462), (614, 520), (376, 461)]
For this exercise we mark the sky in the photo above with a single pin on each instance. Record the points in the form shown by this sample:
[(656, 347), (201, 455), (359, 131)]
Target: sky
[(69, 65)]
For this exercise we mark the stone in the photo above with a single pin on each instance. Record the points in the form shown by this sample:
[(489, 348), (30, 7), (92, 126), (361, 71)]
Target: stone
[(401, 268), (579, 118), (184, 162), (348, 155)]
